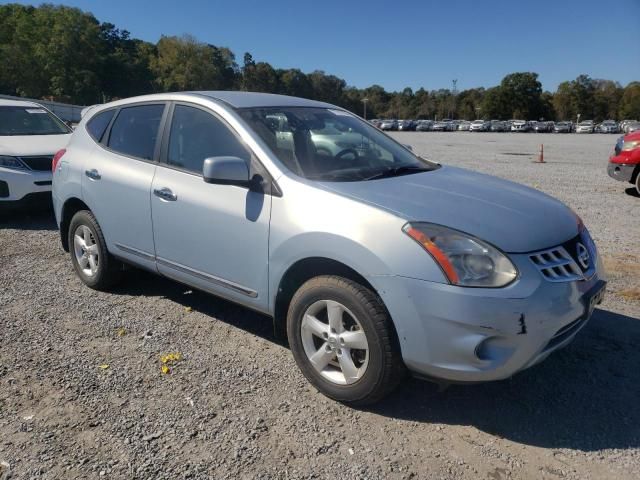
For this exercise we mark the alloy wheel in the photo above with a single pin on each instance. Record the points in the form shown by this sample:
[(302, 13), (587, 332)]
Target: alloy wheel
[(86, 251), (334, 342)]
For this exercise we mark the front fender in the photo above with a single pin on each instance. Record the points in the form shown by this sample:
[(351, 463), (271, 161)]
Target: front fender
[(312, 222)]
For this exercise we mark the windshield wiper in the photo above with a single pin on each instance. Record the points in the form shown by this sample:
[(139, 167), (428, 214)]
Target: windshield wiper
[(398, 171)]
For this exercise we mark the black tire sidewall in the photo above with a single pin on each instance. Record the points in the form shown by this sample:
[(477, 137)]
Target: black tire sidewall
[(374, 373), (103, 278)]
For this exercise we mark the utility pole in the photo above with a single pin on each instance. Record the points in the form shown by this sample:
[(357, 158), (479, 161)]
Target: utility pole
[(454, 92), (364, 101)]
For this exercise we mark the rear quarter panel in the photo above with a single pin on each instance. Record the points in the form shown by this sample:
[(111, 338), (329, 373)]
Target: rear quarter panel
[(67, 179)]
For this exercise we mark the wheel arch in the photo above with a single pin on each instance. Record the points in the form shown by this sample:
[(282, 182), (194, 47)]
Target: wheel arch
[(301, 271), (635, 174), (70, 207)]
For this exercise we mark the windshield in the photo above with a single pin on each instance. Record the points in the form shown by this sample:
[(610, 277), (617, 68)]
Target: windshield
[(27, 120), (331, 145)]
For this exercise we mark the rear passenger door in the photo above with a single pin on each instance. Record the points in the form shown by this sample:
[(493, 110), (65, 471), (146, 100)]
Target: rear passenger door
[(117, 178), (212, 236)]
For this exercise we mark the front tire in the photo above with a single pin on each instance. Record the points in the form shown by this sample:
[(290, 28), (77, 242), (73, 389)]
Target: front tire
[(343, 341), (91, 260)]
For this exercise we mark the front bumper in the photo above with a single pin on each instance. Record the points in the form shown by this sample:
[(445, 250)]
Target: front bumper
[(620, 171), (475, 334), (17, 184)]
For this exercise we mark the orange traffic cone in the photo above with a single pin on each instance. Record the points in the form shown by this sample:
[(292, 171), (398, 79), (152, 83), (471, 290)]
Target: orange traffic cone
[(541, 154)]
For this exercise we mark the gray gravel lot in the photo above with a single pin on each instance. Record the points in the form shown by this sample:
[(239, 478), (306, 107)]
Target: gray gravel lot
[(82, 394)]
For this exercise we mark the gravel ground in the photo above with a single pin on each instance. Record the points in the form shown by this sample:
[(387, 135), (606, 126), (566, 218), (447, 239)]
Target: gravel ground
[(82, 394)]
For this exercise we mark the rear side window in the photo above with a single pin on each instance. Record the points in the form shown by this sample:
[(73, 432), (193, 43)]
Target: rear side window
[(99, 123), (196, 135), (135, 131)]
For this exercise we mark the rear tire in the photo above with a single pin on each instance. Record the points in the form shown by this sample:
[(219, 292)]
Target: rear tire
[(638, 180), (343, 341), (93, 263)]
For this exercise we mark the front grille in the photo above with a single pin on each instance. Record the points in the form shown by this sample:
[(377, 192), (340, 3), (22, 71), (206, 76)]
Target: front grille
[(556, 265), (564, 263), (40, 163)]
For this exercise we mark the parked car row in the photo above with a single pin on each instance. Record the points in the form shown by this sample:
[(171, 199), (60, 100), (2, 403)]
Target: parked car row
[(629, 126), (448, 125)]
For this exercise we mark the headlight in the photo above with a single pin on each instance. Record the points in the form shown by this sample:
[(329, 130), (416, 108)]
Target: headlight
[(465, 260), (626, 146), (12, 162)]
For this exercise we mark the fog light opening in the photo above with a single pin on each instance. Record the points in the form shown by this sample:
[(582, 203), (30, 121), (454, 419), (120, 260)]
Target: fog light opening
[(482, 351)]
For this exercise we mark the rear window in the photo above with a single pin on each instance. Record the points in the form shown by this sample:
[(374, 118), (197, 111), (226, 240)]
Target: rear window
[(99, 123), (30, 120), (135, 131)]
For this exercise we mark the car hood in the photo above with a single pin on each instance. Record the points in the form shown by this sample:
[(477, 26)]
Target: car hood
[(513, 217), (29, 145)]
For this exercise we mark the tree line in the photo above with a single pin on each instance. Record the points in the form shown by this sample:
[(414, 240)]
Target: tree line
[(65, 54)]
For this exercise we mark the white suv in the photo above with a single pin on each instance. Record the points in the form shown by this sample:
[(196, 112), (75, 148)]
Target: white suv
[(30, 135)]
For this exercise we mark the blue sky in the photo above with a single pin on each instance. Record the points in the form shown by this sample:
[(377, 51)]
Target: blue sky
[(408, 43)]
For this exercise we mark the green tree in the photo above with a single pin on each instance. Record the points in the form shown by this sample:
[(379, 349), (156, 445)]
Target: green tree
[(50, 51), (630, 102), (562, 102), (126, 69), (258, 77), (494, 105), (327, 88), (521, 95), (184, 63), (582, 96), (606, 99), (294, 82), (469, 103)]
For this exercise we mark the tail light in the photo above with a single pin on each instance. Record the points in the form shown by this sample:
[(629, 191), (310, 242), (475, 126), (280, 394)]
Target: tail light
[(56, 159)]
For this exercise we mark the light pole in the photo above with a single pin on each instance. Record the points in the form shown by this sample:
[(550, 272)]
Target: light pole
[(364, 101), (454, 93)]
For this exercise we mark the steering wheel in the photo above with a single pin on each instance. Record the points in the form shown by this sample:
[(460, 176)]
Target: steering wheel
[(346, 151)]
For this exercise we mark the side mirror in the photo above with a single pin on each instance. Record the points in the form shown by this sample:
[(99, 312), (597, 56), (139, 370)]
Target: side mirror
[(408, 147), (226, 171)]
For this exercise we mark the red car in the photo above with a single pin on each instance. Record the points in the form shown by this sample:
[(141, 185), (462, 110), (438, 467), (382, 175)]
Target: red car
[(625, 164)]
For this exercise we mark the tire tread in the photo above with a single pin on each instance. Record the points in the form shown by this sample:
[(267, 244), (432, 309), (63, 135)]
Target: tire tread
[(111, 268), (394, 370)]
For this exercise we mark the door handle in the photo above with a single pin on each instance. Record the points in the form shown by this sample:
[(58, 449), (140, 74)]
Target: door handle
[(165, 194), (93, 174)]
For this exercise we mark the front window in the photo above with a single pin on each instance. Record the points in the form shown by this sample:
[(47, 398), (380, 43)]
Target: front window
[(331, 145), (197, 135), (30, 120)]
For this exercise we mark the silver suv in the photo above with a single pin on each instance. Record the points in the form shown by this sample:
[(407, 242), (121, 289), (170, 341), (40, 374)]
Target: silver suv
[(373, 260)]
